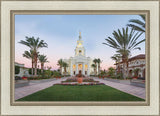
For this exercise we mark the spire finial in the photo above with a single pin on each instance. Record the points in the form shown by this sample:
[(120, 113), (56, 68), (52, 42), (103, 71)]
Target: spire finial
[(80, 35)]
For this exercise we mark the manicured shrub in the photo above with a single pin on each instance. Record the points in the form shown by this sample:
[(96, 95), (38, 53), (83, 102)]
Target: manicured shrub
[(38, 71), (17, 69), (17, 78)]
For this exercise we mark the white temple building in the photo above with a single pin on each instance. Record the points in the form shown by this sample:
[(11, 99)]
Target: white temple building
[(79, 63)]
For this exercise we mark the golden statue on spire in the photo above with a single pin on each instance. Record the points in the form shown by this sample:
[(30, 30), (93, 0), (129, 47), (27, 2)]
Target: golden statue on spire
[(80, 35)]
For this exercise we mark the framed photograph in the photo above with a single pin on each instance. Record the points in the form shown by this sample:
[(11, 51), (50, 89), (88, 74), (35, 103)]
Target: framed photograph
[(80, 57)]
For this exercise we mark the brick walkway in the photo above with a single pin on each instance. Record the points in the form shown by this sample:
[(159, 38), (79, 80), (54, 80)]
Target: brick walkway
[(133, 90), (34, 87)]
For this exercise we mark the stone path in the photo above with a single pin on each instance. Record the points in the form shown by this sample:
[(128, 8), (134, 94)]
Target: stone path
[(34, 87), (133, 90)]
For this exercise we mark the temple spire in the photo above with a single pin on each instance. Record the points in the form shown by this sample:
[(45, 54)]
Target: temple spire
[(80, 35)]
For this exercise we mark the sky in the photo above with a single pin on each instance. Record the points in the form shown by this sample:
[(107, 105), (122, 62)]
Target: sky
[(61, 33)]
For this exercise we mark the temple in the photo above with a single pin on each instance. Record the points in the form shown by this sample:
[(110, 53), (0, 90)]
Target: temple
[(79, 63)]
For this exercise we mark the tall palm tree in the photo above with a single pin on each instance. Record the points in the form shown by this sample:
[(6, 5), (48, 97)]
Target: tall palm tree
[(117, 58), (29, 55), (94, 67), (137, 24), (124, 42), (60, 63), (65, 65), (34, 45), (95, 62), (42, 60), (99, 62)]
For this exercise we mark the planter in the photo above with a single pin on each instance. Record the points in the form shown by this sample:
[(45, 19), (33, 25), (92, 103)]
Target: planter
[(21, 83), (80, 80)]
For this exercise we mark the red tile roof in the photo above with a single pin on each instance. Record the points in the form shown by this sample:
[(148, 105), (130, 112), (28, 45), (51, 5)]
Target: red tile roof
[(140, 56)]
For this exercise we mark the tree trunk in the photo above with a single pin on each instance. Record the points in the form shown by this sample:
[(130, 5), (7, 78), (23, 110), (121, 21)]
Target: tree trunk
[(127, 67), (95, 71), (65, 70), (123, 71), (118, 68), (35, 70), (98, 68), (61, 70), (41, 67), (124, 60), (32, 67)]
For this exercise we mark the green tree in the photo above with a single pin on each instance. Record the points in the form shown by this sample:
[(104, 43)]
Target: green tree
[(136, 71), (111, 71), (17, 69), (42, 60), (117, 58), (56, 73), (94, 67), (65, 65), (60, 64), (124, 42), (138, 25), (29, 55), (34, 45), (48, 72), (95, 62), (99, 62)]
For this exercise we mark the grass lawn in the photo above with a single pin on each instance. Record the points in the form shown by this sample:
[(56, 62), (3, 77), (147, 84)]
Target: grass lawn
[(80, 93)]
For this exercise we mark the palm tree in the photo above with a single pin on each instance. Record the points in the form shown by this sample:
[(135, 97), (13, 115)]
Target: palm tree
[(95, 62), (65, 65), (60, 63), (136, 71), (117, 58), (138, 25), (94, 66), (99, 62), (29, 55), (42, 60), (124, 42), (34, 45), (111, 71)]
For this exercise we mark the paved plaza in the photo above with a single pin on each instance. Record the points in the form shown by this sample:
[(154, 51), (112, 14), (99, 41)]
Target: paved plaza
[(34, 87), (133, 90)]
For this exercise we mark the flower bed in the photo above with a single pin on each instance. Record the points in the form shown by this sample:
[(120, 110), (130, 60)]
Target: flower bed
[(74, 79), (77, 84), (71, 79), (24, 78)]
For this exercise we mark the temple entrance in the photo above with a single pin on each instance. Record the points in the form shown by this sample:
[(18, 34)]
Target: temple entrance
[(79, 68), (80, 72), (85, 72)]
